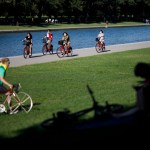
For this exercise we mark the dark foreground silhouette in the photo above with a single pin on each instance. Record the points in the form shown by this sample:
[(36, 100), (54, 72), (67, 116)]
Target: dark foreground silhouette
[(104, 129), (67, 129)]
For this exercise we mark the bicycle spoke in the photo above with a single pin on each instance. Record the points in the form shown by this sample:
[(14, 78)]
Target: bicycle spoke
[(26, 101)]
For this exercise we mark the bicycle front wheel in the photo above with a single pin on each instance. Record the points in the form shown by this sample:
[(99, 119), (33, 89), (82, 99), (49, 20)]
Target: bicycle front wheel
[(60, 52), (21, 101), (98, 48), (44, 50), (26, 52)]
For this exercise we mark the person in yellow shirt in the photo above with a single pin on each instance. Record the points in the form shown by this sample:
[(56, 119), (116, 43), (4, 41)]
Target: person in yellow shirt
[(4, 64)]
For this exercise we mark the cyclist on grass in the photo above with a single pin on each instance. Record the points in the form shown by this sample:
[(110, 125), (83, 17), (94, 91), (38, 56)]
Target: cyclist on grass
[(4, 64)]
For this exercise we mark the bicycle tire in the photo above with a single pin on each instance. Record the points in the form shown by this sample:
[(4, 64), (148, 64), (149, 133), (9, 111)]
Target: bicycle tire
[(21, 101), (115, 108), (60, 52), (70, 52), (103, 47), (44, 50), (98, 49), (48, 123), (26, 52), (104, 112)]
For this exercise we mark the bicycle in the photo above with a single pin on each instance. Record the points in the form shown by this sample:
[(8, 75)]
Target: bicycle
[(26, 49), (100, 47), (62, 50), (65, 119), (45, 49), (19, 101)]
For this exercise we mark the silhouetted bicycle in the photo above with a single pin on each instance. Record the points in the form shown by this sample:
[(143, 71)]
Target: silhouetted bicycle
[(65, 118)]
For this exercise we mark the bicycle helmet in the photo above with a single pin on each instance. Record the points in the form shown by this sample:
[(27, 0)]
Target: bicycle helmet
[(2, 108)]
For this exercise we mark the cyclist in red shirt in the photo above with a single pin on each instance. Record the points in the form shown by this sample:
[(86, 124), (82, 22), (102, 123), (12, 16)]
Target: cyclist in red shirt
[(49, 39)]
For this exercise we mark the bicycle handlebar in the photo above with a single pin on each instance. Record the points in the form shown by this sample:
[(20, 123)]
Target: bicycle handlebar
[(15, 88)]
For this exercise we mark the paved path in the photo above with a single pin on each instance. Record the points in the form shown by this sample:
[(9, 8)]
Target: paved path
[(40, 58)]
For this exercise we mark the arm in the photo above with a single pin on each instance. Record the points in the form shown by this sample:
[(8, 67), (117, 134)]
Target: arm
[(5, 82)]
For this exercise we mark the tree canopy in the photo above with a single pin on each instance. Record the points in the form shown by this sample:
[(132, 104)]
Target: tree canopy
[(75, 11)]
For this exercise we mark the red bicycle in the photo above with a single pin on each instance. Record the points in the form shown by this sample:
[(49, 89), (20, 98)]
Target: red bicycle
[(63, 50), (100, 47), (26, 50), (45, 48)]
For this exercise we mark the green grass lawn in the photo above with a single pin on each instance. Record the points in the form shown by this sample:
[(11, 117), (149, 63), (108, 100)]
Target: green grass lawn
[(64, 25), (55, 86)]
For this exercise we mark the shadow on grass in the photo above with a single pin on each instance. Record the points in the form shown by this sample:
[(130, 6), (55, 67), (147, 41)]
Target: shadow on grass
[(92, 132), (68, 130)]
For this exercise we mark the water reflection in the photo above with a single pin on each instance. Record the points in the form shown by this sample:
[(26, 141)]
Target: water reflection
[(11, 43)]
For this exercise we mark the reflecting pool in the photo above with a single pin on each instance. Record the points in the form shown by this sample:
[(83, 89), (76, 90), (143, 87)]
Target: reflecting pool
[(11, 43)]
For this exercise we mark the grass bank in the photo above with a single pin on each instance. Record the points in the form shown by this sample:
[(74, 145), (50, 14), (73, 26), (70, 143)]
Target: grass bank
[(55, 86), (4, 28)]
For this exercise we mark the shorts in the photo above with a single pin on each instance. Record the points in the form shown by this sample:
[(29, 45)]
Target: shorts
[(2, 89)]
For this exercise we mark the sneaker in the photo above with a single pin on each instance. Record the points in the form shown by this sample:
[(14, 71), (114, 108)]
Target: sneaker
[(13, 112)]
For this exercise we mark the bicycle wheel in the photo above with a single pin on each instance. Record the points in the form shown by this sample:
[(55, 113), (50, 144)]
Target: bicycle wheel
[(103, 47), (26, 52), (70, 52), (60, 52), (44, 50), (98, 48), (51, 50), (22, 101), (114, 108)]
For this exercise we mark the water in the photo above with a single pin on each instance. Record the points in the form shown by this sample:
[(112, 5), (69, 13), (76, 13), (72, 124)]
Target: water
[(11, 43)]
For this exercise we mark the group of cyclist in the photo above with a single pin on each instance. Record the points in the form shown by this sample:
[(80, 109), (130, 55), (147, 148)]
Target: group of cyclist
[(49, 38), (65, 38)]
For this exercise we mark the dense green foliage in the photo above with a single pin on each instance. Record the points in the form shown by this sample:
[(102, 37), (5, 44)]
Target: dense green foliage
[(76, 11)]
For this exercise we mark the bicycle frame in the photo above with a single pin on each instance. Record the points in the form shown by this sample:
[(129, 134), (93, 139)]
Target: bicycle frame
[(99, 46), (63, 49), (45, 49), (26, 49)]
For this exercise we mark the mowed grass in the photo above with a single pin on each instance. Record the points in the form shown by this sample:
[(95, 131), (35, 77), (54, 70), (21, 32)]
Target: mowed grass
[(66, 25), (55, 86)]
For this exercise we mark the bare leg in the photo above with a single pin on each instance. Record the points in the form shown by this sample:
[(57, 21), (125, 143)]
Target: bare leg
[(8, 99), (30, 50)]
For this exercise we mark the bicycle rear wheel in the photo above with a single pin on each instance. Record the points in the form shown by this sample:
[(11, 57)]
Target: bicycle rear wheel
[(60, 52), (21, 101), (70, 52)]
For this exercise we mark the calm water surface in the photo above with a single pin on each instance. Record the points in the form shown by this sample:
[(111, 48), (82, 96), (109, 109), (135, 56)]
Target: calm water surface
[(11, 43)]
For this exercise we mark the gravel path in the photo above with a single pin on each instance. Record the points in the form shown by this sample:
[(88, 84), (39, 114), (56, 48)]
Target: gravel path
[(40, 58)]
